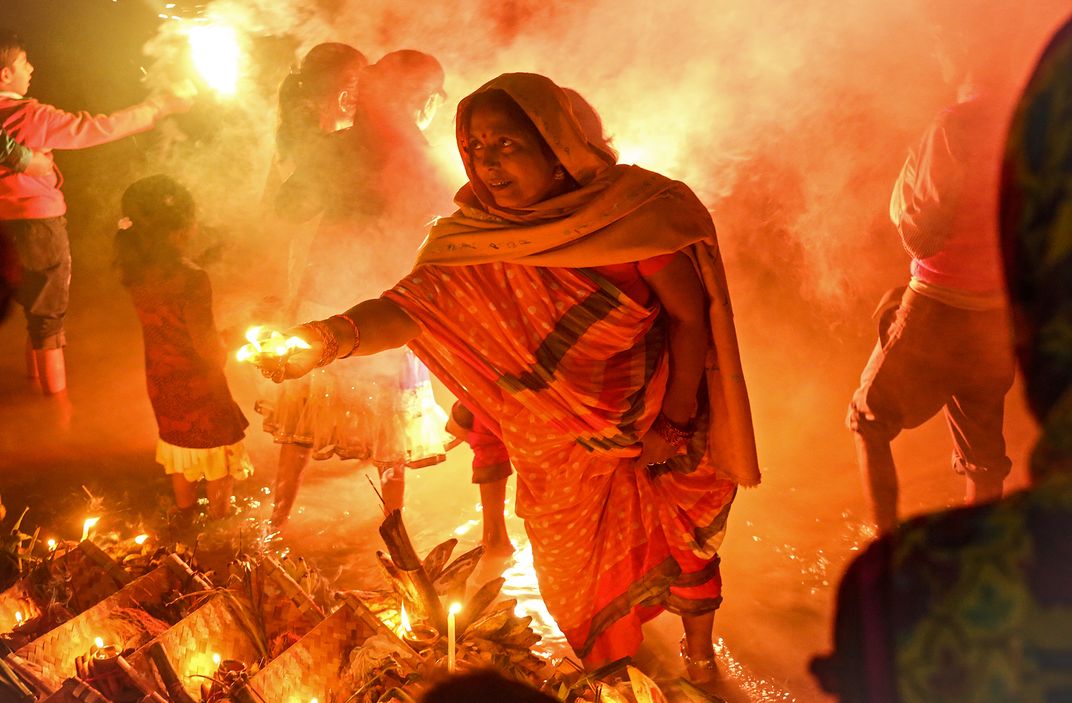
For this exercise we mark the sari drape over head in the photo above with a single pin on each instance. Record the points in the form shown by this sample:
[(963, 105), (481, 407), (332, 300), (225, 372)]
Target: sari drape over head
[(572, 371)]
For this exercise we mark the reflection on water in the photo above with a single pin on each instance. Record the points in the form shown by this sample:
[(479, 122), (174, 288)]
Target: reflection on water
[(756, 689), (521, 584)]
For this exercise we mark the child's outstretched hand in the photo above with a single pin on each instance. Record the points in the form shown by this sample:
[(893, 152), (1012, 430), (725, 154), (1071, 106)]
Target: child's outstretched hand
[(178, 97)]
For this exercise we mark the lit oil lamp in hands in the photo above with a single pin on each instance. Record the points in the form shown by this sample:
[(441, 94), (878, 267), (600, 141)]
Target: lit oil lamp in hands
[(270, 350)]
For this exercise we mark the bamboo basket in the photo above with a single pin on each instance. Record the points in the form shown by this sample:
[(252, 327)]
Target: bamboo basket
[(92, 576), (285, 606), (316, 667), (114, 619), (214, 628)]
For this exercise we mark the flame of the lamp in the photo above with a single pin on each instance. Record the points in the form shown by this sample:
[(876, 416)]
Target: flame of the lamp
[(216, 55), (51, 545), (216, 658), (18, 617), (405, 620), (99, 641), (455, 608), (253, 336), (141, 539), (88, 525)]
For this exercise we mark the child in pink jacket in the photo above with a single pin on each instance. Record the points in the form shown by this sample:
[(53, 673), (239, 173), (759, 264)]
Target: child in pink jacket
[(32, 207)]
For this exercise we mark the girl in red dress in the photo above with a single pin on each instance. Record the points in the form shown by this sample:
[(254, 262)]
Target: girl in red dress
[(201, 426)]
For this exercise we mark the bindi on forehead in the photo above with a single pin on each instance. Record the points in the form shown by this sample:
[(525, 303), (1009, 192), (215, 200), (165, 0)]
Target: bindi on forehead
[(488, 122)]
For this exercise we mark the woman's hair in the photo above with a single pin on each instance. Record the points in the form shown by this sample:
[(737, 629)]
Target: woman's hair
[(325, 70), (406, 77), (153, 208)]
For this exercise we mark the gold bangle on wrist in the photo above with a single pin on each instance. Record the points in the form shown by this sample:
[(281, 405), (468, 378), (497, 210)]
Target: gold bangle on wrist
[(357, 333), (675, 435), (327, 338)]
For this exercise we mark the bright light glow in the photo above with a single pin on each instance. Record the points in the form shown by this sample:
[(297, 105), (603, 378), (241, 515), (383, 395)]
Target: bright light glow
[(268, 343), (99, 642), (18, 618), (216, 658), (88, 525), (51, 545), (141, 539), (455, 608), (405, 620), (216, 55), (465, 528)]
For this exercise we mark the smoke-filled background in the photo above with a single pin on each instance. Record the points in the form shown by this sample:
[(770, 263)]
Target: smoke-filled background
[(790, 120)]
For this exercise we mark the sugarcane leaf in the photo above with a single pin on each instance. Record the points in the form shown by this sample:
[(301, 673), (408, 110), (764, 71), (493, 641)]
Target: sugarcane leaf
[(484, 597), (458, 571), (437, 558)]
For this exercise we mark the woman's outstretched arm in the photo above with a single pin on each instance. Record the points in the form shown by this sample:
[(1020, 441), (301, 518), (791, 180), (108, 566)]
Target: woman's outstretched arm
[(372, 326)]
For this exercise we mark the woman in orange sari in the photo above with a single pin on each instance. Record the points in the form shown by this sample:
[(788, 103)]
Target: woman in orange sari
[(579, 308)]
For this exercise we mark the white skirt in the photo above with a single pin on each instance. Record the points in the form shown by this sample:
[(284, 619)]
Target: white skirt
[(210, 464)]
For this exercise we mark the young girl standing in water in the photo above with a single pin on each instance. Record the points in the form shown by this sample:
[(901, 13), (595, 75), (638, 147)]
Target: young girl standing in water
[(201, 426)]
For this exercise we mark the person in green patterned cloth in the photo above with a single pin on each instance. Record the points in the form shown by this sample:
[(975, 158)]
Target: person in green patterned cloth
[(974, 605)]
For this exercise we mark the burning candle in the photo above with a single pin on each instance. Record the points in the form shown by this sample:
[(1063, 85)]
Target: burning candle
[(88, 525), (452, 648)]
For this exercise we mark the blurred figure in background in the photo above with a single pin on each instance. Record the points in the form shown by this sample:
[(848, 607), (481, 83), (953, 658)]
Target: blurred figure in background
[(944, 339), (317, 98), (32, 207), (975, 604), (374, 186)]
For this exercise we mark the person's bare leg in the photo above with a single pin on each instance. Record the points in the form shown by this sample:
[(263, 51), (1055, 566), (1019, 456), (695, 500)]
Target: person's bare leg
[(31, 361), (393, 487), (219, 496), (699, 648), (879, 474), (185, 492), (493, 507), (52, 370), (293, 459)]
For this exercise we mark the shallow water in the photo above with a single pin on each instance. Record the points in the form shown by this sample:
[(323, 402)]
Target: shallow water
[(788, 541)]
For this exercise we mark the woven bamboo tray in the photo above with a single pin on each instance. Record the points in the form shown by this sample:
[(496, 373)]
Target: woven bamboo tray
[(316, 666), (214, 628), (114, 620), (286, 608), (91, 574)]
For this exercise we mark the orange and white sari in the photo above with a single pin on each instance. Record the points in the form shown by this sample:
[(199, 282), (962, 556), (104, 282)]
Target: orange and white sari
[(573, 371)]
